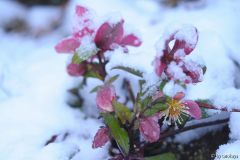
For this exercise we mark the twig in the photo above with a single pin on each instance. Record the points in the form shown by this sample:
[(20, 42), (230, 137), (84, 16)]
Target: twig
[(204, 105), (103, 71), (164, 135), (130, 90)]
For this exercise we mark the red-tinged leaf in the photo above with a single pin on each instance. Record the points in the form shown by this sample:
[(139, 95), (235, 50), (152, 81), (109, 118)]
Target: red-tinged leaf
[(108, 34), (194, 110), (178, 96), (159, 95), (80, 10), (159, 66), (149, 127), (76, 70), (101, 138), (131, 40), (68, 45)]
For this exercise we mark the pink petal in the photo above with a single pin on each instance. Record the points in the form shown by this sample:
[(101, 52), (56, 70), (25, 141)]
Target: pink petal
[(194, 109), (149, 127), (106, 94), (108, 34), (101, 138), (159, 66), (76, 70), (160, 94), (80, 10), (178, 96), (68, 45), (131, 40)]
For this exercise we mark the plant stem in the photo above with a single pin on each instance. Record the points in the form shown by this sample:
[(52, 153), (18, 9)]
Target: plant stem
[(204, 105), (102, 65), (130, 90), (164, 135)]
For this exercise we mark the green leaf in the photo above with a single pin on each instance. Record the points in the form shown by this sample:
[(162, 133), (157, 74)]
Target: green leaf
[(183, 121), (83, 53), (166, 156), (112, 79), (207, 101), (204, 69), (163, 83), (136, 124), (205, 113), (92, 73), (130, 70), (118, 133), (150, 112), (141, 82), (122, 111), (159, 100), (95, 89), (145, 102), (160, 106), (182, 84), (137, 106)]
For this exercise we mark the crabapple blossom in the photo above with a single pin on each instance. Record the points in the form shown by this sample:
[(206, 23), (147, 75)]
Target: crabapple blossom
[(105, 95)]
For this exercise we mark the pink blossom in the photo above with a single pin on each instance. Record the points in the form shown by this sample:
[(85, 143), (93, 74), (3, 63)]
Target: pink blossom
[(76, 70), (178, 107), (106, 36), (101, 138), (150, 128), (105, 95), (191, 72)]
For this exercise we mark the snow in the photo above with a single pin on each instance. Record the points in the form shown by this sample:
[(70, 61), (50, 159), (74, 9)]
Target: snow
[(34, 82)]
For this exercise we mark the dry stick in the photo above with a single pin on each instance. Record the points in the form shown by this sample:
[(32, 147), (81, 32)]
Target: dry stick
[(162, 136), (204, 105), (130, 90)]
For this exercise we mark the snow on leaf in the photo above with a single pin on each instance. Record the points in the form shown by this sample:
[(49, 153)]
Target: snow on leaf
[(149, 127), (101, 138)]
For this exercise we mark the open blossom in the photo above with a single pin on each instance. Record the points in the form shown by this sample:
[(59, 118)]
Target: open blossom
[(106, 37), (173, 62), (176, 107), (105, 95)]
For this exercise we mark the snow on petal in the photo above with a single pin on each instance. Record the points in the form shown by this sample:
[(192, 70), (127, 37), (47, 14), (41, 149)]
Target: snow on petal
[(178, 96), (80, 10), (76, 70), (68, 45), (101, 138), (149, 127), (193, 108), (109, 34)]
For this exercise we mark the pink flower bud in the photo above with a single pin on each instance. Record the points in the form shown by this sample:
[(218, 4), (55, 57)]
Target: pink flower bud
[(76, 70), (106, 94)]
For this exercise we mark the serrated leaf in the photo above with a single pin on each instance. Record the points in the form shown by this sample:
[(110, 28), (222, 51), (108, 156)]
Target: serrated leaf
[(160, 106), (137, 106), (204, 69), (82, 54), (122, 111), (204, 113), (166, 156), (112, 79), (159, 100), (130, 70), (150, 112), (183, 121), (145, 102), (118, 133), (95, 89)]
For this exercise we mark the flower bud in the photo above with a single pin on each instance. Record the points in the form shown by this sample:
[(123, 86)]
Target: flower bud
[(106, 94)]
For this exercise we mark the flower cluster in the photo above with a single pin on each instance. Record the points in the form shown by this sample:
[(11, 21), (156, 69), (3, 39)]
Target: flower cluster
[(102, 33), (173, 61)]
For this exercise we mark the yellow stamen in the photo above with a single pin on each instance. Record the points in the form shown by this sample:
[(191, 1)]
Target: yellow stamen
[(174, 111)]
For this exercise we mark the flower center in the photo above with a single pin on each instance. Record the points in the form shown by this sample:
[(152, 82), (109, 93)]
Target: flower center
[(174, 111)]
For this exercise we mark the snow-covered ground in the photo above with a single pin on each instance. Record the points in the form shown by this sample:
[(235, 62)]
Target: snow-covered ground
[(34, 81)]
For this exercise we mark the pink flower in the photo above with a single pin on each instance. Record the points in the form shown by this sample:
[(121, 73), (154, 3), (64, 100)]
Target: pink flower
[(101, 137), (76, 70), (105, 95), (176, 107), (173, 62), (108, 36)]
